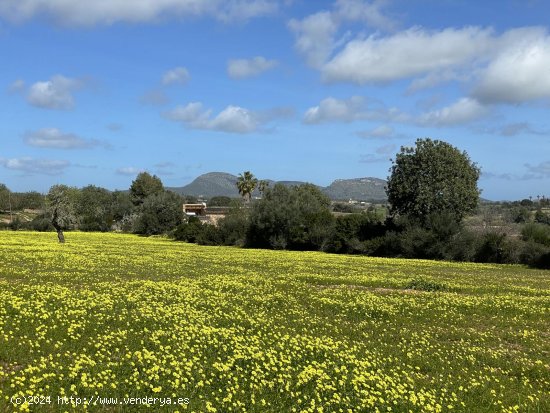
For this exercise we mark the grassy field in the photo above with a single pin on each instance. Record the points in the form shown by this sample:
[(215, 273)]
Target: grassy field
[(107, 317)]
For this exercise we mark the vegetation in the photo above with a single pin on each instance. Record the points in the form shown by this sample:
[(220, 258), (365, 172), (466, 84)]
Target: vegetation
[(425, 221), (109, 315), (246, 183), (433, 177)]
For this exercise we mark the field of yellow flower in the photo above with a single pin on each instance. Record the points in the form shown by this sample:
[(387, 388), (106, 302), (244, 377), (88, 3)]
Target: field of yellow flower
[(119, 323)]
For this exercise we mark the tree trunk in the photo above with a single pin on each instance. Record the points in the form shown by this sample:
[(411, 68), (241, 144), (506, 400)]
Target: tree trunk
[(57, 227), (60, 236)]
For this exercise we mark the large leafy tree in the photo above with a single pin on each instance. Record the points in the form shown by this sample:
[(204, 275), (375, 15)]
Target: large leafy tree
[(61, 201), (246, 183), (159, 214), (432, 177), (294, 218), (143, 186), (93, 208)]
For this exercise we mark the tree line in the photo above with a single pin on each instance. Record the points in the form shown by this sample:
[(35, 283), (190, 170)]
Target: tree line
[(431, 189)]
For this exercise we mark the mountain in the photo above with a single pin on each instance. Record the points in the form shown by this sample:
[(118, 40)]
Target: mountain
[(224, 184), (364, 189), (211, 184)]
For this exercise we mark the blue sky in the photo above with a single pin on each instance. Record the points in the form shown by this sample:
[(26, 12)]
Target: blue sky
[(94, 92)]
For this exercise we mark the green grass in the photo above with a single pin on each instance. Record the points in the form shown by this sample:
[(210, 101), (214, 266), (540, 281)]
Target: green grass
[(111, 315)]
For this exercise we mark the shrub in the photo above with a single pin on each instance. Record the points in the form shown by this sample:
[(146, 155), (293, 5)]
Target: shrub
[(424, 285), (536, 232)]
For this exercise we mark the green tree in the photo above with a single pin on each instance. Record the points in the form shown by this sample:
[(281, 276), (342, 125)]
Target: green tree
[(121, 205), (159, 214), (93, 208), (432, 177), (246, 183), (143, 186), (60, 203), (293, 218)]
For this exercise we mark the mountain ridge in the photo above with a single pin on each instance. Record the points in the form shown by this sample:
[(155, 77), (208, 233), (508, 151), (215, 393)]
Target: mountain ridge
[(225, 184)]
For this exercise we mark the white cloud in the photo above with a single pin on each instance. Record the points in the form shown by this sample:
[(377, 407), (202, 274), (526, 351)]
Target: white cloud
[(56, 93), (35, 166), (233, 119), (88, 13), (244, 68), (332, 109), (129, 170), (407, 54), (315, 34), (368, 12), (349, 110), (55, 138), (315, 37), (521, 70), (176, 76), (463, 111)]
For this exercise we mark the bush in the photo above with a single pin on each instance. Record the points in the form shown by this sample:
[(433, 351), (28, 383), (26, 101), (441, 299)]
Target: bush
[(233, 227), (463, 246), (159, 214), (188, 231), (536, 232), (40, 223), (296, 218), (532, 254), (495, 247), (220, 201), (351, 230), (424, 285)]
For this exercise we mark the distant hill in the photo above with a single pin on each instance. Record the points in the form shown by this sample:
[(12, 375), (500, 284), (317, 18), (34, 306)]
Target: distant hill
[(224, 184), (367, 189), (211, 184)]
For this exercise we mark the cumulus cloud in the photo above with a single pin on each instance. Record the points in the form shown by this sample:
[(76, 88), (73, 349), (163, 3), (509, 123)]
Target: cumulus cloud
[(406, 54), (463, 111), (316, 33), (33, 166), (176, 76), (55, 138), (244, 68), (314, 37), (369, 12), (521, 70), (56, 93), (349, 110), (232, 119), (88, 13)]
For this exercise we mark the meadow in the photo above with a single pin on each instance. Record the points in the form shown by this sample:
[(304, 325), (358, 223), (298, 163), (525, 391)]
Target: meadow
[(109, 317)]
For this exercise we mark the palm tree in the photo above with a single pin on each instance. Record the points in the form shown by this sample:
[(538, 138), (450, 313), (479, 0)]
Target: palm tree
[(246, 184)]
